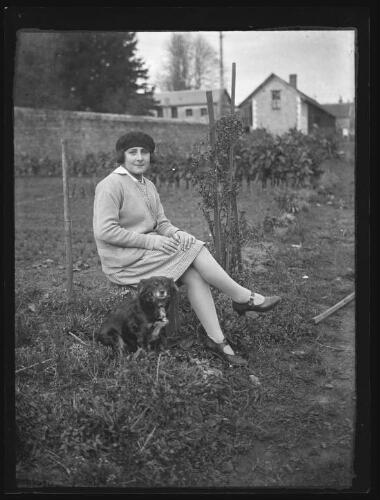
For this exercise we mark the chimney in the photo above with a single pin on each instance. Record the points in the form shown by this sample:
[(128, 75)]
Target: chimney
[(293, 80)]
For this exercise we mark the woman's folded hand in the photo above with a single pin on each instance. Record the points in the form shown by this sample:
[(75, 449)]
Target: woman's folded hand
[(184, 239), (165, 244)]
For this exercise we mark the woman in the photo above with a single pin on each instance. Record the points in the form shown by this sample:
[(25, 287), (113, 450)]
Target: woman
[(135, 241)]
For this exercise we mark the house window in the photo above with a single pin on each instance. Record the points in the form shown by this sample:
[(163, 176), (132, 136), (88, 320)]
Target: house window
[(189, 112), (160, 113), (204, 112), (174, 112), (276, 99)]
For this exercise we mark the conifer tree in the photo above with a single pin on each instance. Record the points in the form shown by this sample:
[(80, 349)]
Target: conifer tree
[(83, 71)]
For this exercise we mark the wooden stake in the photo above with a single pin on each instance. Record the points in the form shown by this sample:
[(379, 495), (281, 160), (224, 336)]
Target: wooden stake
[(234, 201), (210, 107), (68, 229), (230, 176), (332, 309)]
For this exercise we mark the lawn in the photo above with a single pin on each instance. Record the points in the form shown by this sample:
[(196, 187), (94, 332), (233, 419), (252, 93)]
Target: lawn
[(180, 418)]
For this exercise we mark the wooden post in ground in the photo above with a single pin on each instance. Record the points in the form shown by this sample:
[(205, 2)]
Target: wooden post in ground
[(232, 205), (210, 108), (68, 228)]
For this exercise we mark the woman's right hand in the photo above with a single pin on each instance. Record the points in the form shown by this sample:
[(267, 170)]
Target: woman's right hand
[(165, 244)]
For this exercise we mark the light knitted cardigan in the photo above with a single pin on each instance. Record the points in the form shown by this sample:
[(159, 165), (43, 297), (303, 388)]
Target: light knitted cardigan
[(124, 228)]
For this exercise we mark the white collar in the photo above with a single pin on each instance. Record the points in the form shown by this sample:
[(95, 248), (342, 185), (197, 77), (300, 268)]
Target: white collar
[(121, 170)]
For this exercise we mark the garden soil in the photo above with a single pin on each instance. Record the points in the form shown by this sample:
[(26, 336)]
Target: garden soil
[(324, 460)]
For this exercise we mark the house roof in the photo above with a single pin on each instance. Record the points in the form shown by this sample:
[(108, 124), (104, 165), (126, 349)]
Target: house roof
[(301, 94), (340, 110), (188, 97)]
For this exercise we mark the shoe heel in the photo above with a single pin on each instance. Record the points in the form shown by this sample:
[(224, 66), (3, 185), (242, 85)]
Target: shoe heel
[(239, 312)]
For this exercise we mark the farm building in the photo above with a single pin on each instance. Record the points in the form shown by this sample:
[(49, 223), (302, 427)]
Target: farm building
[(277, 106), (344, 113), (191, 104)]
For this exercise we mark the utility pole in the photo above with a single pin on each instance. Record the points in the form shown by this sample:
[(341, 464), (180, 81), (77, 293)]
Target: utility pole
[(221, 71), (221, 59)]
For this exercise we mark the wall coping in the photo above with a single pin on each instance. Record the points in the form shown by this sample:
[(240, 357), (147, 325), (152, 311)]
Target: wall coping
[(104, 116)]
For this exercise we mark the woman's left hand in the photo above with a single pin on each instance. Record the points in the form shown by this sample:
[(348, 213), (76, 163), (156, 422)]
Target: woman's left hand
[(185, 239)]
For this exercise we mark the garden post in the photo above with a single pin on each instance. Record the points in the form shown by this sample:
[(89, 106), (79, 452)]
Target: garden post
[(210, 106), (232, 204), (68, 228)]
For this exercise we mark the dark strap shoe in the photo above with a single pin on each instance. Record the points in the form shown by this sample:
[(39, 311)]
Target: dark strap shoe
[(268, 304), (217, 349)]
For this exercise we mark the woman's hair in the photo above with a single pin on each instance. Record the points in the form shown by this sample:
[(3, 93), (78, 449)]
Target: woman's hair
[(120, 156), (132, 140)]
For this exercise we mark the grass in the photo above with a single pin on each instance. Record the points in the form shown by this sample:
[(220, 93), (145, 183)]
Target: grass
[(178, 418)]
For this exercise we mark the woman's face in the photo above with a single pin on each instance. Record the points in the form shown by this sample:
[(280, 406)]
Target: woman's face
[(137, 161)]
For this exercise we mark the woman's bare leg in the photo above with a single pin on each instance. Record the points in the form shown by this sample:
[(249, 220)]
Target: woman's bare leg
[(202, 302), (216, 276)]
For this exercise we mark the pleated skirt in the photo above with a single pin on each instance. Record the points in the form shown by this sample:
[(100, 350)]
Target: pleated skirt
[(156, 263)]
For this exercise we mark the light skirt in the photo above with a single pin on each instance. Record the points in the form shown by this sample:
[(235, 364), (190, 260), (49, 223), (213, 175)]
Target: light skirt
[(156, 263)]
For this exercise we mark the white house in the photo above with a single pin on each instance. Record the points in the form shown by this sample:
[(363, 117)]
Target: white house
[(277, 106)]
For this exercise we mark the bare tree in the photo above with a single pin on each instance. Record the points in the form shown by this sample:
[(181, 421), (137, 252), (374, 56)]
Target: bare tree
[(192, 63), (177, 75), (205, 63)]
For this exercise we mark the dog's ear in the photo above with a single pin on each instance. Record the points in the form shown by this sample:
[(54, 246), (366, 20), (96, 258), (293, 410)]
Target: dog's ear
[(141, 286), (173, 287)]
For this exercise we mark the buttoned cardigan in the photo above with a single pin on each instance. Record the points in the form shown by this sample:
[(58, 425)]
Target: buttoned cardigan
[(124, 224)]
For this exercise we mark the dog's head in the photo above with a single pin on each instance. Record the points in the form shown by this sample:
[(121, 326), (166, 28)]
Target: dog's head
[(157, 290)]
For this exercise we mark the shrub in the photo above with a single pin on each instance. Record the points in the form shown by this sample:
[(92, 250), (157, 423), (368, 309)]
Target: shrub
[(294, 159), (327, 183), (213, 175), (169, 166)]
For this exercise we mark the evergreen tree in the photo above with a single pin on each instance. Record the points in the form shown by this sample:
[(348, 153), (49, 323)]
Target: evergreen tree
[(92, 71), (36, 82)]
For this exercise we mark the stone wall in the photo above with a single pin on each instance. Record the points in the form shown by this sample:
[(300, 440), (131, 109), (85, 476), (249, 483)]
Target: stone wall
[(38, 132)]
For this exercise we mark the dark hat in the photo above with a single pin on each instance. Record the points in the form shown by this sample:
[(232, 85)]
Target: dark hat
[(135, 140)]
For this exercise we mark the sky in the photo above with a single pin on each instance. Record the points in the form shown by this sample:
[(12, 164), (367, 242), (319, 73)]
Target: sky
[(324, 61)]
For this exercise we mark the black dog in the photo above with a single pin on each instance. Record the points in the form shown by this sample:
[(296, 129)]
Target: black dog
[(138, 322)]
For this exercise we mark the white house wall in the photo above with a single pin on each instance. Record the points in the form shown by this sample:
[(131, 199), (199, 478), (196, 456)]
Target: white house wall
[(254, 114), (304, 117), (276, 121)]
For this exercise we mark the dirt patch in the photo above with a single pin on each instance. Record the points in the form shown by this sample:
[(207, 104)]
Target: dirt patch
[(324, 458), (258, 256)]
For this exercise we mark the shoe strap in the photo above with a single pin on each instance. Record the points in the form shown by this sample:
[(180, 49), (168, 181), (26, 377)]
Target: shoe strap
[(224, 343)]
